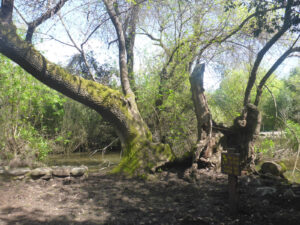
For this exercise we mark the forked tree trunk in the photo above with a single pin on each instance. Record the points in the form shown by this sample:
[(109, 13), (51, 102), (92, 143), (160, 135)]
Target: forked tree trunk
[(140, 153)]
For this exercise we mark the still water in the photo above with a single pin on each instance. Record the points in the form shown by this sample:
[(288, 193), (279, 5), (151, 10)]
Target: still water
[(94, 162), (98, 162)]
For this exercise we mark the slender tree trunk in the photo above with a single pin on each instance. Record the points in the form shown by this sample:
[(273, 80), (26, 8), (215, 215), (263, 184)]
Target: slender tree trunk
[(130, 34)]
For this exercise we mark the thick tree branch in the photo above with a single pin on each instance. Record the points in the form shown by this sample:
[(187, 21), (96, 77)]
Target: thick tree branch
[(286, 25), (34, 24), (271, 71), (111, 104)]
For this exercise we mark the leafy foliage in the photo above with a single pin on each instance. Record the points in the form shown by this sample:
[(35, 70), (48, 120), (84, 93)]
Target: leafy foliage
[(292, 133), (36, 120), (266, 147), (30, 112)]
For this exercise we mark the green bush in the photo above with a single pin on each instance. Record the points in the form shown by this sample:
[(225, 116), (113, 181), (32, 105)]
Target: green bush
[(266, 147), (30, 112), (292, 132)]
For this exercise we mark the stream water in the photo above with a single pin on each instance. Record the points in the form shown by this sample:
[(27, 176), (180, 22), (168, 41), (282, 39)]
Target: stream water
[(94, 162)]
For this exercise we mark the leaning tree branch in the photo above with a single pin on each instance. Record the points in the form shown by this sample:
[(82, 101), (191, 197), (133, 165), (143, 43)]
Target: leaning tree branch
[(34, 24), (286, 25), (271, 71)]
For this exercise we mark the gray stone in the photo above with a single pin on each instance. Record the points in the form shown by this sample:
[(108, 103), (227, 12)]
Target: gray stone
[(17, 171), (40, 172), (63, 171), (46, 177), (263, 191), (78, 171), (271, 168)]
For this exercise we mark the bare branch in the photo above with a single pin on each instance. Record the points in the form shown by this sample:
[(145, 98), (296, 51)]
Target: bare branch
[(55, 39), (112, 42), (271, 71), (81, 51), (93, 31), (20, 14), (158, 40), (34, 24)]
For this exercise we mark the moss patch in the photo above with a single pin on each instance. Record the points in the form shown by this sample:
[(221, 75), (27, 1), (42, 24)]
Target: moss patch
[(142, 156)]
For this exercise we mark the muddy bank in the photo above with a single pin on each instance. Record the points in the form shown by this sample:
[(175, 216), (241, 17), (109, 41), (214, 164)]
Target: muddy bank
[(163, 199)]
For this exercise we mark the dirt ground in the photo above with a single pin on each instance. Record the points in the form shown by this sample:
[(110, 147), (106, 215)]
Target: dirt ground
[(163, 199)]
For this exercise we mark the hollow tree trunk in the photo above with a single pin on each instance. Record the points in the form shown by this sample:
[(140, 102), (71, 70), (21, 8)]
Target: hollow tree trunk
[(204, 119), (140, 153)]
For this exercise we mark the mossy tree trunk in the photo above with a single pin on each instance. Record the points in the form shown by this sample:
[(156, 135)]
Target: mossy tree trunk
[(140, 153)]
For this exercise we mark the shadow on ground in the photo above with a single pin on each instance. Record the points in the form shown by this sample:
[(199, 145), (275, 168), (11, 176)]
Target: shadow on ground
[(166, 199)]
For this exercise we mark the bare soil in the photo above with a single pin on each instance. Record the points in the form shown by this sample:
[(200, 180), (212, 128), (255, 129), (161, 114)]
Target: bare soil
[(163, 199)]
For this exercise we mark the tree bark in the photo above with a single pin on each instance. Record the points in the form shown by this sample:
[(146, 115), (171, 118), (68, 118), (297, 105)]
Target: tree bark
[(7, 7), (130, 34), (122, 46), (204, 118), (140, 153)]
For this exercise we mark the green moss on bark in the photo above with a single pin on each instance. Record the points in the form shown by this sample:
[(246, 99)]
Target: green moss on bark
[(143, 157)]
